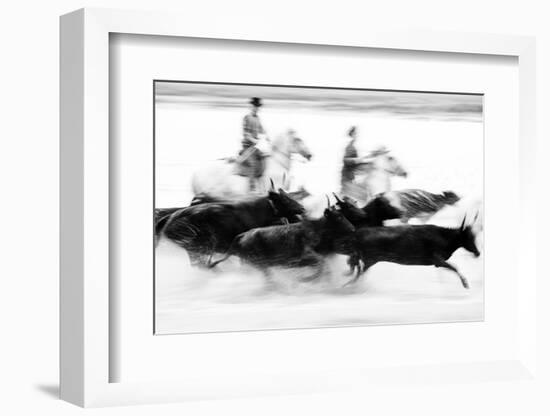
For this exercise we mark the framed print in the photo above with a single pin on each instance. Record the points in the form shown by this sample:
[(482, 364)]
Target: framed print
[(295, 198)]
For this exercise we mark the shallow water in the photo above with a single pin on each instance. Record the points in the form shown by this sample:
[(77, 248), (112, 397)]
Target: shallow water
[(238, 297)]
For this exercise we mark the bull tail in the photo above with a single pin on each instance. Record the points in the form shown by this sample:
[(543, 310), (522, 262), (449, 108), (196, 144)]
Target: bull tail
[(183, 233), (417, 202), (159, 227)]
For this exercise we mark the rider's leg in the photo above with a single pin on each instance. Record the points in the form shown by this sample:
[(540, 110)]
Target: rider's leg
[(256, 171), (252, 183)]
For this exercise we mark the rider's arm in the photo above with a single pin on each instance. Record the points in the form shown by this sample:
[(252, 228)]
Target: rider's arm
[(350, 157), (353, 161)]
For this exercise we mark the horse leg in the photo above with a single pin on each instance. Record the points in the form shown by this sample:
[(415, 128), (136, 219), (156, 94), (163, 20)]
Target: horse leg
[(442, 263)]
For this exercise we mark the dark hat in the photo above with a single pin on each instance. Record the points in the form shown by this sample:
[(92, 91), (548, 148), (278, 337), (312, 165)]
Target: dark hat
[(256, 102)]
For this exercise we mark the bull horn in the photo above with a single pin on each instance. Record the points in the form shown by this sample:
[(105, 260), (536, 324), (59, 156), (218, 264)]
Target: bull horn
[(284, 180), (336, 196), (328, 201), (463, 222), (272, 184)]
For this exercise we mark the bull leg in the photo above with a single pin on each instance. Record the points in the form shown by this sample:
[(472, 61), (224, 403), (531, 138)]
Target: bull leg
[(211, 264), (351, 266), (353, 263), (350, 271), (313, 259), (270, 283), (195, 258), (360, 272), (446, 265), (203, 261)]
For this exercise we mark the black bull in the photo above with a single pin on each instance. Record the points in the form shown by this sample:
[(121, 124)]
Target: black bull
[(207, 228), (373, 214), (413, 245), (301, 244)]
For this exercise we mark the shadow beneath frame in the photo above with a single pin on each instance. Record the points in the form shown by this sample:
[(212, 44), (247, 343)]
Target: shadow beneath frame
[(51, 390)]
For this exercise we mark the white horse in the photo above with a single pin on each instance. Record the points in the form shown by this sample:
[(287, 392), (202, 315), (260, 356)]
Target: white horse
[(220, 179), (374, 176)]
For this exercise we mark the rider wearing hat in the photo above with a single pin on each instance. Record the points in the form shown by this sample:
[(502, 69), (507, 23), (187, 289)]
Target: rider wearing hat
[(251, 158)]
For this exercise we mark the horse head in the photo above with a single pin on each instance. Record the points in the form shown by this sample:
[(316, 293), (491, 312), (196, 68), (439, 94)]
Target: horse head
[(289, 144), (394, 167), (383, 160)]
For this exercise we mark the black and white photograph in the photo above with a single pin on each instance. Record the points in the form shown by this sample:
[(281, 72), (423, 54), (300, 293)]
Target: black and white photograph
[(290, 207)]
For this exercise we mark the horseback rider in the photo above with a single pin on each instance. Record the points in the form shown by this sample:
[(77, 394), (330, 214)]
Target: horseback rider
[(353, 164), (350, 163), (251, 157)]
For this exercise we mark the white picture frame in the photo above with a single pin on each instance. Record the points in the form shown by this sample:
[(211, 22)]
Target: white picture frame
[(85, 232)]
